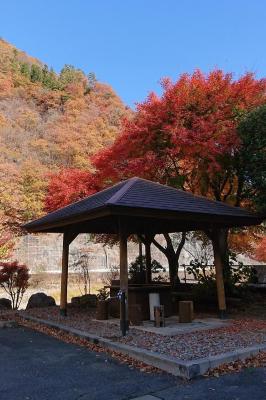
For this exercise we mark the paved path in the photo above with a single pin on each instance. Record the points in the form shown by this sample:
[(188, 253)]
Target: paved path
[(34, 366)]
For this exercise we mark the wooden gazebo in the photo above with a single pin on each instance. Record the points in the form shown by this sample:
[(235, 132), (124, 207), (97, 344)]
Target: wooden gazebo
[(142, 207)]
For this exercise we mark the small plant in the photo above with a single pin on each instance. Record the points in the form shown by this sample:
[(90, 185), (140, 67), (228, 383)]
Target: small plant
[(202, 272), (239, 274), (14, 279), (111, 275), (103, 294), (82, 265)]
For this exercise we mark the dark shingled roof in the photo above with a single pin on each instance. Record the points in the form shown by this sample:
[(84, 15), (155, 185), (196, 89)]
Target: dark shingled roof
[(145, 206)]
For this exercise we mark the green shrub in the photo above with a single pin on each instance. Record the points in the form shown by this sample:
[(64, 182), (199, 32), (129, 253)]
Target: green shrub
[(137, 270), (239, 276)]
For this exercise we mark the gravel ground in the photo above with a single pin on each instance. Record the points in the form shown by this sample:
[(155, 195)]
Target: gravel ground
[(202, 343), (77, 318), (240, 333)]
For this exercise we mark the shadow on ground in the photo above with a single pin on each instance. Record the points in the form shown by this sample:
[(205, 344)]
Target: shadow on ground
[(35, 366)]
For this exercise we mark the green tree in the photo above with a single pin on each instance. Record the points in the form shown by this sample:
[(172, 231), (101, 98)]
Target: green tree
[(49, 78), (70, 74), (25, 69), (36, 74), (252, 157)]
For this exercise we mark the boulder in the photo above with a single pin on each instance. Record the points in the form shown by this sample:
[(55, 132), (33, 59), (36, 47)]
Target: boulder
[(87, 300), (40, 300), (5, 304)]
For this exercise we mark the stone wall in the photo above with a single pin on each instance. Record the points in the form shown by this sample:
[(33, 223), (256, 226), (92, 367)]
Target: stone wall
[(43, 252)]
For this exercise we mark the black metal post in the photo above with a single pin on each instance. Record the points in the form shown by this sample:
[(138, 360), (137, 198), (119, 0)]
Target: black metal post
[(123, 316)]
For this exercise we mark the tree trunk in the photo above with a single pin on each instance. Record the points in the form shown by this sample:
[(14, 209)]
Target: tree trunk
[(173, 269), (172, 256)]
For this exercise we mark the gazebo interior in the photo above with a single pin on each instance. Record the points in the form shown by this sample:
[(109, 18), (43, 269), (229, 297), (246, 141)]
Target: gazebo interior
[(140, 207)]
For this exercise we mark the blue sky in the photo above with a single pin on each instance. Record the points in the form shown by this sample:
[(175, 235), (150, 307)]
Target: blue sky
[(131, 44)]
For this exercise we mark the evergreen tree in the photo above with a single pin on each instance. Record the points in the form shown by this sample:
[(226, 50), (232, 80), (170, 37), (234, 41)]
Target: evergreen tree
[(49, 78), (252, 158), (70, 74), (36, 74), (25, 69)]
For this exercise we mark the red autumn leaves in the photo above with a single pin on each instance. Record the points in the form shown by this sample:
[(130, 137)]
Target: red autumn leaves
[(14, 280)]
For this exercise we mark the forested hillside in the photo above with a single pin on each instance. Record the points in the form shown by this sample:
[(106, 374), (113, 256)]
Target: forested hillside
[(47, 121)]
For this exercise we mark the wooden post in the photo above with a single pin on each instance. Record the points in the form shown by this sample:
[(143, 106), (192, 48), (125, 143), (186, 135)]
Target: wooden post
[(186, 310), (218, 262), (140, 256), (67, 239), (123, 280), (148, 259)]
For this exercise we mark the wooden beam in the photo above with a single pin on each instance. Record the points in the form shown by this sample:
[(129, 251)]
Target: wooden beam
[(123, 279), (68, 237), (218, 262)]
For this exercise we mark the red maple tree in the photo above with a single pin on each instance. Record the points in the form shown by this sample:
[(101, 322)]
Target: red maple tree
[(14, 279), (68, 186), (187, 138)]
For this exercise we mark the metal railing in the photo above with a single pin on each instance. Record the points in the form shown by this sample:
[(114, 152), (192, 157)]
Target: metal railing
[(189, 277)]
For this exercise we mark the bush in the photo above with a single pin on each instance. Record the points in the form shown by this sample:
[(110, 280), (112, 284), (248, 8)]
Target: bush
[(137, 270), (239, 276), (14, 279)]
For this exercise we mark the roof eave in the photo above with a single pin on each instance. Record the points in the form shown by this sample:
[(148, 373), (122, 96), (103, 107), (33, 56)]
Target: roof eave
[(127, 211), (37, 226), (184, 215)]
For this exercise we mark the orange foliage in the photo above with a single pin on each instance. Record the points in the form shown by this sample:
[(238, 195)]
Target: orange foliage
[(260, 253), (44, 129)]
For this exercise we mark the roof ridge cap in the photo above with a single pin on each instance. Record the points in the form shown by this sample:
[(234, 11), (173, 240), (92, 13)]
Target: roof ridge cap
[(121, 192)]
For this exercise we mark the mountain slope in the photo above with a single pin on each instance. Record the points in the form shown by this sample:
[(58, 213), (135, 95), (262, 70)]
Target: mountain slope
[(47, 121)]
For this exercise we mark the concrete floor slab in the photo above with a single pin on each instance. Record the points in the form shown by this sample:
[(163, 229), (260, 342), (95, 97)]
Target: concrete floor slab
[(173, 327)]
